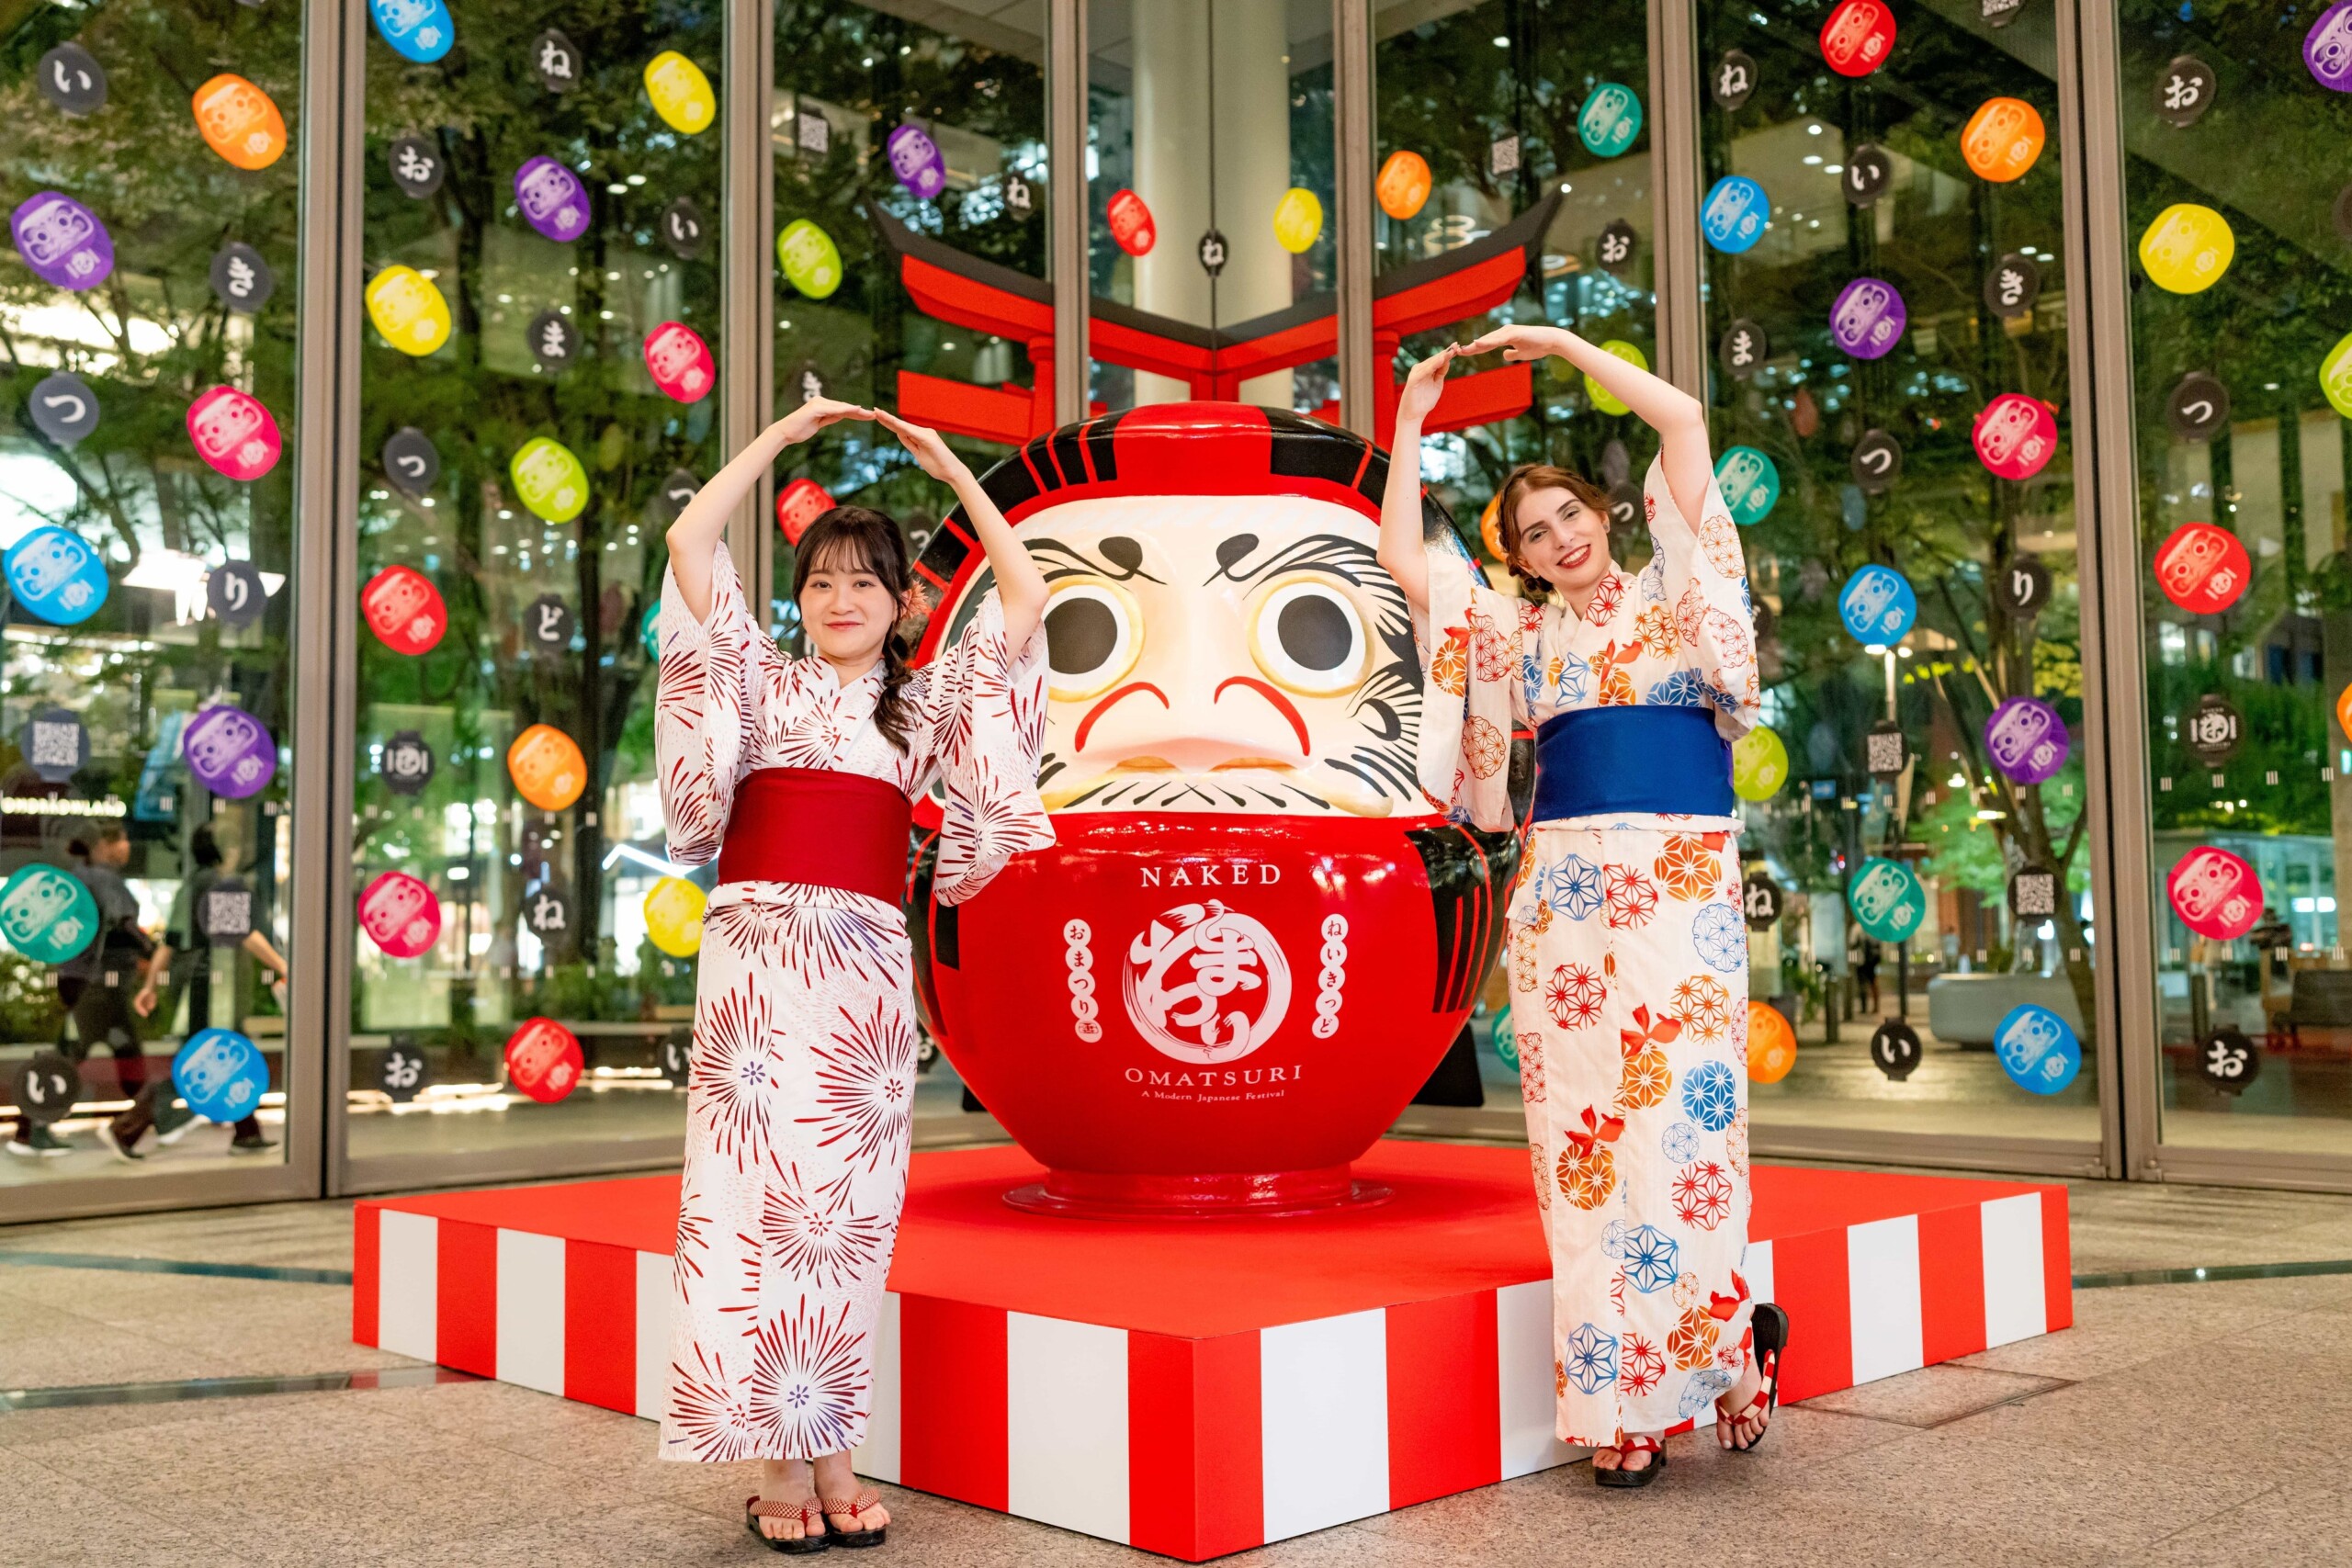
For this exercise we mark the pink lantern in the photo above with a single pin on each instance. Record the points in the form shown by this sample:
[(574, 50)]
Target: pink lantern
[(400, 914), (2016, 435), (1131, 223), (680, 362), (2216, 895), (235, 433)]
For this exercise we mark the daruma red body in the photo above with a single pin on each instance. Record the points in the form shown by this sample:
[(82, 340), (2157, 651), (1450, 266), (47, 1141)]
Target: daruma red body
[(1255, 938)]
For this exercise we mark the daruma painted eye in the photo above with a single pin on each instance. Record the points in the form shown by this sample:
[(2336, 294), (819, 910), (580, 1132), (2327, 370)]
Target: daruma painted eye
[(1090, 639), (1309, 636)]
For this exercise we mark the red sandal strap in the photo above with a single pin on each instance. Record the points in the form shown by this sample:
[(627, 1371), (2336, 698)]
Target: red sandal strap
[(1638, 1445), (866, 1497), (772, 1508)]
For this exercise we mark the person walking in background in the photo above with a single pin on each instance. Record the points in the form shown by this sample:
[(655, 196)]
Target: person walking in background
[(1864, 954), (1628, 952), (186, 956)]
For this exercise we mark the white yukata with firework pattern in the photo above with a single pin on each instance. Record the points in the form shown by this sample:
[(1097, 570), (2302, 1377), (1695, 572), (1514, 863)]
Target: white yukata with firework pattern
[(1628, 957), (798, 1104)]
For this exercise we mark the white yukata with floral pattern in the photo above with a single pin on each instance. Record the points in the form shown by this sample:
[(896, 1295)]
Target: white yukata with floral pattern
[(1628, 957), (798, 1104)]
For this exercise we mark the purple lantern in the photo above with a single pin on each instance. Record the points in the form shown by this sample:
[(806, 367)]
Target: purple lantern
[(2327, 48), (552, 199), (62, 240), (1868, 319), (2027, 739), (229, 751), (915, 158)]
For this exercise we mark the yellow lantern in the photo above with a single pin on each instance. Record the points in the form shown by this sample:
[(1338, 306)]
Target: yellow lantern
[(1404, 184), (408, 310), (674, 917), (1759, 765), (550, 479), (2336, 376), (1298, 218), (238, 120), (1602, 399), (681, 93), (546, 767), (2188, 248), (811, 262)]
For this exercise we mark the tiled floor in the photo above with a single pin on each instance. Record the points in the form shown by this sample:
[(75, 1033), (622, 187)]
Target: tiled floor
[(2093, 1446)]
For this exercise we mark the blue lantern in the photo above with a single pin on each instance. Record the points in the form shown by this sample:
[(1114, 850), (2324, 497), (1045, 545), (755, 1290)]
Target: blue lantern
[(57, 576), (1734, 214), (2037, 1049), (221, 1074), (421, 31), (1878, 604)]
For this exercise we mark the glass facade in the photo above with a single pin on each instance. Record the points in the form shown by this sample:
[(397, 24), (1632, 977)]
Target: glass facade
[(2006, 337)]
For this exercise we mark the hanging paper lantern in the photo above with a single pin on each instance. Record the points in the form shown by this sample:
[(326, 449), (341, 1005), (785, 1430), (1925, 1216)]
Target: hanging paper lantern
[(1759, 765), (46, 913), (2027, 741), (2188, 248), (2202, 569), (1131, 225), (237, 121), (228, 751), (798, 504), (681, 93), (408, 310), (400, 914), (2002, 138), (1298, 218), (1886, 899), (404, 610), (543, 1060), (679, 362), (1602, 397), (674, 917), (550, 480), (1734, 214), (1751, 484), (2216, 895), (2343, 711), (1771, 1043), (1868, 319), (235, 433), (810, 261), (546, 767), (1858, 37), (417, 29), (1878, 606), (2327, 48), (61, 241), (915, 158), (2336, 376), (221, 1074), (1610, 118), (2016, 435), (1404, 184), (1490, 526), (55, 574), (552, 199), (2037, 1048)]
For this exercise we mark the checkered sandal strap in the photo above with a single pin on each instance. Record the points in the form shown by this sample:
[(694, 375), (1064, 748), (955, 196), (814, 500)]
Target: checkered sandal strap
[(853, 1507), (1638, 1445), (774, 1508)]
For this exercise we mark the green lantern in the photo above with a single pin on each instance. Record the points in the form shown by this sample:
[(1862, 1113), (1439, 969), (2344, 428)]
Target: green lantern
[(550, 479), (1759, 765), (811, 262)]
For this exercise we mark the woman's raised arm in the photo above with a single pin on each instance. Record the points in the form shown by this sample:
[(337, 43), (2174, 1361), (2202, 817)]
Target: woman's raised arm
[(698, 527), (1019, 586), (1402, 553)]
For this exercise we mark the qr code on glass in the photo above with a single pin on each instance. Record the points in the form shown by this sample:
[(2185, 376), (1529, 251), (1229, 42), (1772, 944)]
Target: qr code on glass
[(56, 744), (228, 911), (1885, 750), (2037, 894)]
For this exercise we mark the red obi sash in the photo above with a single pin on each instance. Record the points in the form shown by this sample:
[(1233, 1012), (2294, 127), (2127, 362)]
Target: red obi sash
[(814, 826)]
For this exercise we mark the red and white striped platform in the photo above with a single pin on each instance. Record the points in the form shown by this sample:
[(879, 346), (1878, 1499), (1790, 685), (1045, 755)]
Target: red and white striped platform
[(1196, 1389)]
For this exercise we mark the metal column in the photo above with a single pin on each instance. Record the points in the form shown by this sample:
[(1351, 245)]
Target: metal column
[(747, 295), (1674, 195), (1067, 200), (1354, 136)]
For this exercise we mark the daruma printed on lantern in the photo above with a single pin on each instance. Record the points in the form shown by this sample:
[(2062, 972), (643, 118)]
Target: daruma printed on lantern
[(546, 767), (235, 433), (1736, 215), (2188, 248), (46, 913), (2335, 371), (2015, 436), (2002, 138), (56, 575), (798, 504), (2216, 895), (1858, 37), (1886, 899), (811, 262), (238, 120), (2202, 569), (404, 610), (1131, 225), (1298, 219), (2027, 741), (915, 158), (681, 93), (1868, 319), (1610, 118), (673, 909), (552, 199), (229, 751), (400, 914), (1253, 940), (1602, 397), (408, 310), (1771, 1043), (679, 362), (1404, 184), (550, 479), (1759, 765), (543, 1060), (61, 241), (221, 1074)]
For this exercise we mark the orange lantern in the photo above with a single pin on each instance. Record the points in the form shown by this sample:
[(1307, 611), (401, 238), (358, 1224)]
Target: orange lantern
[(1771, 1043), (1131, 223), (2002, 138), (2344, 710), (239, 122), (1404, 184), (546, 767), (1490, 527)]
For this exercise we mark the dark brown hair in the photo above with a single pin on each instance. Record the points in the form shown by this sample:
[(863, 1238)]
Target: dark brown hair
[(1524, 481), (858, 539)]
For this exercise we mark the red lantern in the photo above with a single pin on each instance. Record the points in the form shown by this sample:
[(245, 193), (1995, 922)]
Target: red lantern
[(543, 1060), (404, 610), (1858, 37), (2216, 895), (798, 504), (1131, 223), (2016, 435), (679, 362), (2202, 569)]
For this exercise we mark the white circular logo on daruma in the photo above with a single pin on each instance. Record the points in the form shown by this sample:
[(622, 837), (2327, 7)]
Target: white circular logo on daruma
[(1205, 983)]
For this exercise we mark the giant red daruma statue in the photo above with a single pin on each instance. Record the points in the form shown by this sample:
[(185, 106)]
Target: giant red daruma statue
[(1255, 938)]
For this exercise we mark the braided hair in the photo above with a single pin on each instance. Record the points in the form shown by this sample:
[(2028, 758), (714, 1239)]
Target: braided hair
[(858, 539), (1523, 481)]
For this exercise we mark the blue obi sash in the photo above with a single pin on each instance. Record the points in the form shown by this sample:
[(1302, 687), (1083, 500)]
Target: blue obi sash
[(1592, 762)]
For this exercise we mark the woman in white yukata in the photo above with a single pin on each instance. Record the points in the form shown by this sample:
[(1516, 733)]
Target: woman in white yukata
[(1628, 953), (797, 776)]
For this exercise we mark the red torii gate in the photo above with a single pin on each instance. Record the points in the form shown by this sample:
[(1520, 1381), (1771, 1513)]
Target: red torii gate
[(950, 286)]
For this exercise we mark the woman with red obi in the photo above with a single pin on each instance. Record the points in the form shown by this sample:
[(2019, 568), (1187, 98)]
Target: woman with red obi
[(1628, 953), (797, 776)]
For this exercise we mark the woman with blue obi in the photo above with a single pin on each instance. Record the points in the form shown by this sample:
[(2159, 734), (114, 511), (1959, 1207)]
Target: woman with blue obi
[(1628, 952)]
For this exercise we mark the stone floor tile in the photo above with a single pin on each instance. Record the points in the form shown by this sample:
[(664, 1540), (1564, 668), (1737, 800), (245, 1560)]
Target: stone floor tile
[(1932, 1395)]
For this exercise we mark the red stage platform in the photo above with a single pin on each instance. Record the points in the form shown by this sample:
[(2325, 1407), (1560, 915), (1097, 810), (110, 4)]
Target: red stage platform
[(1197, 1388)]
